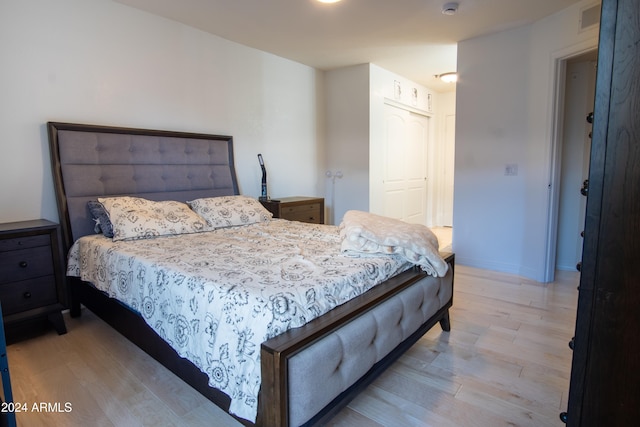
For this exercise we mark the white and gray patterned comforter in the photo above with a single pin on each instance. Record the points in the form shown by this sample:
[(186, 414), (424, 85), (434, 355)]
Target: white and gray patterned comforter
[(216, 296)]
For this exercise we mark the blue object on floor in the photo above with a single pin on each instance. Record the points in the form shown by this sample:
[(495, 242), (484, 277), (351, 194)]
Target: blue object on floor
[(6, 418)]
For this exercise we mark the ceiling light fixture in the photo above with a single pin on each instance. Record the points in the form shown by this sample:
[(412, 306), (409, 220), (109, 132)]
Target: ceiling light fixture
[(328, 1), (450, 8), (447, 77)]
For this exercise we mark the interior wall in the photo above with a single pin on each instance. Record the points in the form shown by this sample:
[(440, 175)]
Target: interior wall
[(504, 119), (347, 120), (491, 132), (100, 62)]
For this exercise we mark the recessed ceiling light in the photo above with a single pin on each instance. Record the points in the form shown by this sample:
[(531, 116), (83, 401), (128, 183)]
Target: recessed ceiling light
[(328, 1), (447, 77)]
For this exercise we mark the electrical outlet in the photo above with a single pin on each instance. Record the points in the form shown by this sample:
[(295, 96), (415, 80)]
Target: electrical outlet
[(511, 169)]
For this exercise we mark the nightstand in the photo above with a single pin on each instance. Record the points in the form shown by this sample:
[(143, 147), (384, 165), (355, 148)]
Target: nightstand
[(304, 209), (32, 282)]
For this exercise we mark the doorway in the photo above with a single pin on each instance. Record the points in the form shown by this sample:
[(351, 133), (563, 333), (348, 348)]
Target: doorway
[(570, 164)]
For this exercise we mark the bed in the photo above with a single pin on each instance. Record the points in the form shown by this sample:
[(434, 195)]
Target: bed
[(307, 372)]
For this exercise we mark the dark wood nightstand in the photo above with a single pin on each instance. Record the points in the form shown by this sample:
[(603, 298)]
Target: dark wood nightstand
[(32, 282), (304, 209)]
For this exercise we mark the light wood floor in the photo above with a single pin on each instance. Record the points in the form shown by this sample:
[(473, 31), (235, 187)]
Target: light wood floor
[(505, 362)]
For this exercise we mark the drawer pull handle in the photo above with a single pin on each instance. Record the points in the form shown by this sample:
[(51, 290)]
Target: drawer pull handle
[(23, 264), (27, 294)]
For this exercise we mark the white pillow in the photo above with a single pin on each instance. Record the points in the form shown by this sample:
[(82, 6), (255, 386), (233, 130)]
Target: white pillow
[(227, 211), (137, 218)]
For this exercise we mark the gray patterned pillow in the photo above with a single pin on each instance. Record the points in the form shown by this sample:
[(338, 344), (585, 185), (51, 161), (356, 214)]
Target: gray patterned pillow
[(227, 211), (101, 217), (137, 218)]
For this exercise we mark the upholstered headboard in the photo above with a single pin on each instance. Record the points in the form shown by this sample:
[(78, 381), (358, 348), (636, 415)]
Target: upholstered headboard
[(91, 161)]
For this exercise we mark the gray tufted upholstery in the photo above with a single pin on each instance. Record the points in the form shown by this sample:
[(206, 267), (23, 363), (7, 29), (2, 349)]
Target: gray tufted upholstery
[(96, 162), (329, 366)]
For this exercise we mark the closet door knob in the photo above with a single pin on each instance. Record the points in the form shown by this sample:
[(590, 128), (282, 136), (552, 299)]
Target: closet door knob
[(23, 264), (27, 295)]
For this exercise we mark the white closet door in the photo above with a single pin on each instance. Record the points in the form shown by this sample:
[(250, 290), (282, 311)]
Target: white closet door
[(405, 165)]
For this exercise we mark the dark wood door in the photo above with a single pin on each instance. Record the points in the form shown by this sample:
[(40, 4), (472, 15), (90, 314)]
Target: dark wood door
[(605, 375)]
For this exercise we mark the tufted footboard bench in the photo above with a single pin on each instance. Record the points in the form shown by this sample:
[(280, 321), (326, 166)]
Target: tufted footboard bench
[(315, 372)]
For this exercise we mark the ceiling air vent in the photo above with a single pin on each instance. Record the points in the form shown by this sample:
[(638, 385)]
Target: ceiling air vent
[(589, 17)]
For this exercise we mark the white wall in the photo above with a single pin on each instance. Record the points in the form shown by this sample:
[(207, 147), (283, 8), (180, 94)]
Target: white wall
[(505, 110), (347, 118), (100, 62)]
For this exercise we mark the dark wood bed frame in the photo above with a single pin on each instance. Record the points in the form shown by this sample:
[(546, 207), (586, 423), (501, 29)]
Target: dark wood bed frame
[(273, 401)]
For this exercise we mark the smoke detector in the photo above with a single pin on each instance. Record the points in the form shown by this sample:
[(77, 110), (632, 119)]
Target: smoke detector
[(450, 8)]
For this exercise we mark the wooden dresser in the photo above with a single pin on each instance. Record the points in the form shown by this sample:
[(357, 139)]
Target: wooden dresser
[(304, 209), (32, 285)]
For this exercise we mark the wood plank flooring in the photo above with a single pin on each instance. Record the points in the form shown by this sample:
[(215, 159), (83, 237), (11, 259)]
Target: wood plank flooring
[(505, 362)]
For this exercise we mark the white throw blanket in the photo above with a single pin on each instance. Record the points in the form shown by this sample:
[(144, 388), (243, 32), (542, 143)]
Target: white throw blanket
[(368, 233)]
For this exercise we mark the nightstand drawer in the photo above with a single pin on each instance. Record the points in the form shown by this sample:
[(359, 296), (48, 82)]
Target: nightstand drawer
[(27, 294), (298, 208), (25, 264), (304, 213), (24, 242)]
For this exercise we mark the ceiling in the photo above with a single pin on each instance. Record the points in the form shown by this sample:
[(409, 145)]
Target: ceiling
[(411, 38)]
